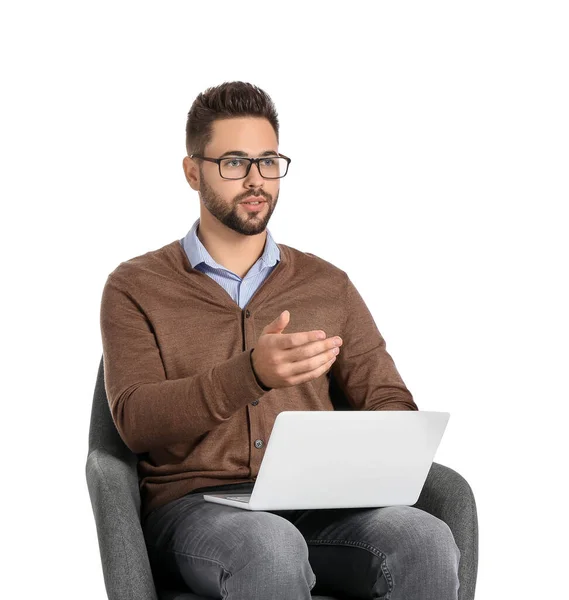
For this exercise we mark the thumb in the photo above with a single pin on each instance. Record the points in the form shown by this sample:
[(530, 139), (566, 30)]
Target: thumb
[(278, 324)]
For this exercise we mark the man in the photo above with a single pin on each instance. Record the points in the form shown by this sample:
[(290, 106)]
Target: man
[(206, 340)]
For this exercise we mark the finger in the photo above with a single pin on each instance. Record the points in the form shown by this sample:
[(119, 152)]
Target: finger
[(310, 375), (312, 349), (311, 363), (294, 340)]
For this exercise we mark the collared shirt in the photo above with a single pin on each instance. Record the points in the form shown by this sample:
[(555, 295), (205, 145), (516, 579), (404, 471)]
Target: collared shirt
[(239, 289)]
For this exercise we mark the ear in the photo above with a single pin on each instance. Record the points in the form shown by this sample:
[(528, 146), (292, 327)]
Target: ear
[(191, 172)]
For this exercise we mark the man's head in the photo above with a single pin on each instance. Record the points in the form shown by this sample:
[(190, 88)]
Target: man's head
[(232, 121)]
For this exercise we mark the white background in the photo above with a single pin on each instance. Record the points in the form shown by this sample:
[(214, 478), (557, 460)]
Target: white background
[(445, 127)]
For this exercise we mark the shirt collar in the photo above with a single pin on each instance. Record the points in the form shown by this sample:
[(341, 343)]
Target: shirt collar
[(198, 254)]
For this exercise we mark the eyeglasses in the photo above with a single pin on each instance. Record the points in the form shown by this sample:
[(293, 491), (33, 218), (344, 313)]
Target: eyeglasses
[(238, 167)]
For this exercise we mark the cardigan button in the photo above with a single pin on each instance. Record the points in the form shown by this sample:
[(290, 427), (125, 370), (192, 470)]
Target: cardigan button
[(255, 402), (247, 313), (258, 443)]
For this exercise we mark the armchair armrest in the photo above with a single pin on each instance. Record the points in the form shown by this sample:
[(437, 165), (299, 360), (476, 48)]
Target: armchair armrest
[(115, 498)]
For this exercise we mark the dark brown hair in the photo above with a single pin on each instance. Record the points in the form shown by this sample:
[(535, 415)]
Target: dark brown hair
[(229, 100)]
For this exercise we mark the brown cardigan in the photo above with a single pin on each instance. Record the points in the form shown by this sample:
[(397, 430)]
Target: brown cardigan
[(178, 372)]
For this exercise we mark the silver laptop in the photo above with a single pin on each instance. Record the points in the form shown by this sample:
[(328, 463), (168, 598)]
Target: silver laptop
[(343, 459)]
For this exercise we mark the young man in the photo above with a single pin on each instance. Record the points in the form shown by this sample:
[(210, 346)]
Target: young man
[(206, 340)]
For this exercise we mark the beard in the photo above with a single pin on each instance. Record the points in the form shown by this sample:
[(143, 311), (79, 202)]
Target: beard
[(233, 215)]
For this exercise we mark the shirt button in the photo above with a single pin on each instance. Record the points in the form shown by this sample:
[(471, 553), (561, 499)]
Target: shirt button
[(255, 402), (258, 443)]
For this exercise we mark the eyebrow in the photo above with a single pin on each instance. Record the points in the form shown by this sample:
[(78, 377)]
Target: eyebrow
[(241, 153)]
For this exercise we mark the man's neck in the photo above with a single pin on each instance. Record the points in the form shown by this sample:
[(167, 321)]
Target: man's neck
[(237, 253)]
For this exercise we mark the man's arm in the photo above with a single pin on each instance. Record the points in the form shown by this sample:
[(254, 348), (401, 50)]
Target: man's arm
[(364, 370), (149, 410)]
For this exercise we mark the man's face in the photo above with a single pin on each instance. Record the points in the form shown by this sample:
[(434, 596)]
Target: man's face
[(223, 197)]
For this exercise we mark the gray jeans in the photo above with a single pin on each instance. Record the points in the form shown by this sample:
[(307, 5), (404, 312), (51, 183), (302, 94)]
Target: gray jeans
[(387, 553)]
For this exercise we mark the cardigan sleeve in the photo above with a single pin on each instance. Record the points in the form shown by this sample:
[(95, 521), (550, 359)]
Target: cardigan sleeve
[(149, 410), (364, 370)]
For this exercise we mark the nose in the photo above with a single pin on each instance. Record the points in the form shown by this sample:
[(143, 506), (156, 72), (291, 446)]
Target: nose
[(254, 176)]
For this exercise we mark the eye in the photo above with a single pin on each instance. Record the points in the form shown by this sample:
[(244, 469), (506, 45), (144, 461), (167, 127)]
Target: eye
[(232, 160), (269, 162)]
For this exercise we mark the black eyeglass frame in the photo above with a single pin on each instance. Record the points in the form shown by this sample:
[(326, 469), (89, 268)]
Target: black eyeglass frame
[(251, 161)]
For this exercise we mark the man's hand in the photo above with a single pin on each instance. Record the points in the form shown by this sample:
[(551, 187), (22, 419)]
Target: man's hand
[(286, 359)]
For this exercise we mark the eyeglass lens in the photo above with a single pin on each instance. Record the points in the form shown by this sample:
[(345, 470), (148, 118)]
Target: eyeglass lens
[(270, 167)]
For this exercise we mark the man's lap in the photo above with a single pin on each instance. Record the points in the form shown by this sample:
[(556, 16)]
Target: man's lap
[(362, 552)]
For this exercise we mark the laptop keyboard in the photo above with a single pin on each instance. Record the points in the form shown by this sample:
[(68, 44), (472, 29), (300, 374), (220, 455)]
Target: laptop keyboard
[(240, 498)]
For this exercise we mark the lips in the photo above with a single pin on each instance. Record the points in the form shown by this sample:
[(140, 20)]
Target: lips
[(253, 199)]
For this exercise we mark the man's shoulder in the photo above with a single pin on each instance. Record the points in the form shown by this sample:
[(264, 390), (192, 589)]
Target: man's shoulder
[(307, 263), (157, 262)]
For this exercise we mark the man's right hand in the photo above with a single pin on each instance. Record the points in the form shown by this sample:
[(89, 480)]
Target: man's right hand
[(286, 359)]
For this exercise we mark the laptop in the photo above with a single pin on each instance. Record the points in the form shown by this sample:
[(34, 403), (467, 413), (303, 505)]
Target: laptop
[(343, 459)]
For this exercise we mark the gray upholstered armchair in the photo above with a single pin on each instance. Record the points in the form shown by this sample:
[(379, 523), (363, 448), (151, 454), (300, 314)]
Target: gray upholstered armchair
[(112, 479)]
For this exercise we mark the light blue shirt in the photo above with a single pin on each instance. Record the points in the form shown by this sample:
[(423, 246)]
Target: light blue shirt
[(239, 289)]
